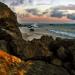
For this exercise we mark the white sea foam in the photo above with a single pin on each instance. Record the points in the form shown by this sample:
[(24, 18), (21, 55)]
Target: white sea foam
[(63, 33)]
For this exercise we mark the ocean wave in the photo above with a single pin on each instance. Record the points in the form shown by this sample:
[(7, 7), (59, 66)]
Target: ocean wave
[(63, 33)]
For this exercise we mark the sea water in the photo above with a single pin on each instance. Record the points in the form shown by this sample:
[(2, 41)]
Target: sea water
[(62, 30)]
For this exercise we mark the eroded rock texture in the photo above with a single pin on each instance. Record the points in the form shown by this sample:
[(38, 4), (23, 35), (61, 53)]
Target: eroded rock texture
[(44, 56), (9, 30), (11, 65)]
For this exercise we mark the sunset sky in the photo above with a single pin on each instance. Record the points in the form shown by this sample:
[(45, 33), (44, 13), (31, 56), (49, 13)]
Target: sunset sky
[(43, 10)]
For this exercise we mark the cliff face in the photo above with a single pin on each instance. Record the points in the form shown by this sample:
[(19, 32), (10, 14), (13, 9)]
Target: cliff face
[(44, 56), (9, 30), (6, 12)]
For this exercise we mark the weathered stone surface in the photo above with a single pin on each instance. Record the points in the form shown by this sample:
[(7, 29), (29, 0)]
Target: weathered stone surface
[(42, 68), (6, 12), (9, 30), (44, 56), (11, 65)]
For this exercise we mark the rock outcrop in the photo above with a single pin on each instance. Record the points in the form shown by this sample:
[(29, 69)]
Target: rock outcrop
[(44, 56), (11, 65), (9, 30)]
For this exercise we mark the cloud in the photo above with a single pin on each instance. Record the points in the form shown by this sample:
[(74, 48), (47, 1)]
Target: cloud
[(71, 16), (32, 11), (12, 2), (16, 2), (66, 7), (57, 13), (61, 11)]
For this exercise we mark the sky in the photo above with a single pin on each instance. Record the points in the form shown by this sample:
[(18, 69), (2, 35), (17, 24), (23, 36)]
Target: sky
[(43, 10), (63, 2)]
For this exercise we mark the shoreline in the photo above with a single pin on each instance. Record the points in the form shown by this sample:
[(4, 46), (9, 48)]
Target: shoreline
[(37, 33)]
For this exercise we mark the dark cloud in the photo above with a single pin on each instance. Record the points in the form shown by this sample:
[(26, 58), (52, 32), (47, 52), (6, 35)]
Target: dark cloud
[(13, 2), (33, 11), (68, 7), (16, 2), (57, 13), (71, 16)]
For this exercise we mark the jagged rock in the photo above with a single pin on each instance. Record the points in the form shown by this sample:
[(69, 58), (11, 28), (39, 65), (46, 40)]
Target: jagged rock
[(9, 30), (11, 65), (37, 48), (6, 12), (53, 57), (45, 39)]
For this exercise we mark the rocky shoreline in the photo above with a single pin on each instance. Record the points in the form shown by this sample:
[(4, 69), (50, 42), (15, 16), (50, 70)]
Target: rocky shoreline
[(43, 56)]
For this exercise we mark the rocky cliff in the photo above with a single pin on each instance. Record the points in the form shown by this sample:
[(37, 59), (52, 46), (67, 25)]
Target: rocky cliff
[(44, 56)]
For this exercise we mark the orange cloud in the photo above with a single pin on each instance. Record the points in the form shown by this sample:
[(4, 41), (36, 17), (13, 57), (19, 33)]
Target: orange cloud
[(44, 19)]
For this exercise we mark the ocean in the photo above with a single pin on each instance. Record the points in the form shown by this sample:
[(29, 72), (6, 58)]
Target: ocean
[(60, 30)]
